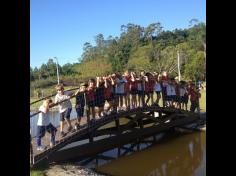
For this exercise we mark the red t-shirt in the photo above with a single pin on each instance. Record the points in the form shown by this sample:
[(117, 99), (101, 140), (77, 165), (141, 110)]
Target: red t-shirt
[(133, 85), (194, 95), (127, 85), (149, 86), (91, 94), (177, 90), (107, 92), (165, 78)]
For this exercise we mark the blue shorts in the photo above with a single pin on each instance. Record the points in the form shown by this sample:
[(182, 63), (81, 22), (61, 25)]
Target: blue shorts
[(42, 129), (65, 114), (80, 111)]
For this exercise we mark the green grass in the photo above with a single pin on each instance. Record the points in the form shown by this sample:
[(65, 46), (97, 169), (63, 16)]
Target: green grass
[(36, 172), (202, 101)]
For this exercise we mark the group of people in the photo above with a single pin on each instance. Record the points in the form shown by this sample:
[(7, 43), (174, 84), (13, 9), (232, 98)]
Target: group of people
[(114, 93)]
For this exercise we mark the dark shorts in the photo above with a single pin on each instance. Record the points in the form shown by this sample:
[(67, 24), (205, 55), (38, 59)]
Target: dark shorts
[(185, 99), (177, 99), (80, 111), (100, 102), (173, 97), (141, 92), (109, 99), (42, 129), (194, 105), (168, 98), (181, 99), (133, 92), (91, 104), (65, 114), (120, 94), (158, 92), (149, 92)]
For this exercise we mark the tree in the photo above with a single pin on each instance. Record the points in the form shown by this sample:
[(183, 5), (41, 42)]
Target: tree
[(32, 75), (87, 48), (51, 68)]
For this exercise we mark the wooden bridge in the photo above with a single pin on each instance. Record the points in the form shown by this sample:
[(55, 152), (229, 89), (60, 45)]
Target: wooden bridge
[(96, 137)]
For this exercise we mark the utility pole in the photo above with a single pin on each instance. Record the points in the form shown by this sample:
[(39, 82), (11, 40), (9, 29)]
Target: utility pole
[(58, 80), (178, 66)]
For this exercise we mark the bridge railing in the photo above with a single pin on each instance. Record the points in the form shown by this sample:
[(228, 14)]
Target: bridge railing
[(110, 101)]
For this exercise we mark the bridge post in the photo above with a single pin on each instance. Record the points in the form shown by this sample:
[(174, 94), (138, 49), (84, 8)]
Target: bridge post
[(31, 152), (138, 144), (117, 121), (118, 152), (160, 114)]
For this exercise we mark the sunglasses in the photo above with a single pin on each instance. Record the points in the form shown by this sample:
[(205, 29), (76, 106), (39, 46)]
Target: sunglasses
[(59, 90)]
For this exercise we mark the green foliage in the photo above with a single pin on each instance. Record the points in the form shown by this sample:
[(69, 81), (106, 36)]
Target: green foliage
[(149, 48), (92, 68), (195, 69)]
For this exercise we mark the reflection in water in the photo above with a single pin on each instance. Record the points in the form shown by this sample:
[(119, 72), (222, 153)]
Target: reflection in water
[(184, 155)]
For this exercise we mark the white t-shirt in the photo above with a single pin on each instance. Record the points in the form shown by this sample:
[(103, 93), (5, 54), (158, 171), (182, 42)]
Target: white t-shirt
[(157, 87), (182, 91), (65, 105), (43, 119), (120, 86)]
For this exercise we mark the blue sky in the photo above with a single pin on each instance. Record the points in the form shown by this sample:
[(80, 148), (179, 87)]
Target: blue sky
[(59, 28)]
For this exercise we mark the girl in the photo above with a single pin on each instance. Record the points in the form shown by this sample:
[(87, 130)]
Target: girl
[(120, 90), (100, 99), (133, 90), (127, 76), (90, 99), (108, 92), (157, 89)]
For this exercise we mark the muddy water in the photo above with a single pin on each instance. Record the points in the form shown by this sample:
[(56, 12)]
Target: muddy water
[(178, 155)]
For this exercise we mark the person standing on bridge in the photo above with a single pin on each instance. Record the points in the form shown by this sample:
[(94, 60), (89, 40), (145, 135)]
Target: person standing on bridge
[(90, 99), (80, 104), (194, 98), (120, 90), (44, 125), (64, 108)]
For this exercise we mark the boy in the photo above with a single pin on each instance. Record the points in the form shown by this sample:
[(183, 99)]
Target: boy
[(79, 104), (43, 125), (194, 98), (64, 108)]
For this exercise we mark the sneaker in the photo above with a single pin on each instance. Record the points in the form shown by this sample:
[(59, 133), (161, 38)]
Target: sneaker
[(102, 114), (62, 134), (92, 121), (51, 144), (41, 148), (77, 126)]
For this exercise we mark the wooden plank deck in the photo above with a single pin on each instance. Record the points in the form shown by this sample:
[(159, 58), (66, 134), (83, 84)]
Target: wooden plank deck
[(84, 133)]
